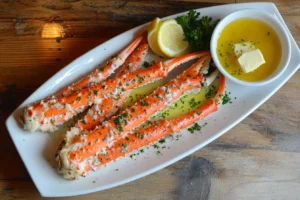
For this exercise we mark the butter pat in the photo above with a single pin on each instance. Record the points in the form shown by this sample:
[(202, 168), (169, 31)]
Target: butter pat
[(251, 60), (243, 47)]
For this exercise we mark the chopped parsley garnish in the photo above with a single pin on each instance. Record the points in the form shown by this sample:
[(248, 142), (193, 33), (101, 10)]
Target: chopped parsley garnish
[(78, 98), (195, 127), (141, 79), (145, 103), (164, 115), (120, 120), (199, 113), (139, 135), (155, 146), (181, 100), (194, 103), (102, 69), (226, 98), (161, 141), (232, 46), (125, 147), (211, 92), (132, 156), (171, 136), (197, 30), (96, 92), (147, 64), (236, 72)]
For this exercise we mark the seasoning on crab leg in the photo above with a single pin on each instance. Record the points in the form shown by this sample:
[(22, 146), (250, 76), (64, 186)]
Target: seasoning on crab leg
[(159, 129), (99, 112), (109, 106), (103, 73), (95, 77), (135, 59), (45, 116), (76, 154)]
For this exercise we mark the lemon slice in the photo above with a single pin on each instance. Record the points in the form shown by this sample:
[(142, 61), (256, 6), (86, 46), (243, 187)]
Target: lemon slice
[(152, 36), (170, 39)]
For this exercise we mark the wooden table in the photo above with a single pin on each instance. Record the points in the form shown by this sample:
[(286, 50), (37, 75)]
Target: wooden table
[(258, 159)]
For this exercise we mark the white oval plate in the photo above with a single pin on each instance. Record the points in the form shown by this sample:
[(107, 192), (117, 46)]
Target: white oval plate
[(35, 148)]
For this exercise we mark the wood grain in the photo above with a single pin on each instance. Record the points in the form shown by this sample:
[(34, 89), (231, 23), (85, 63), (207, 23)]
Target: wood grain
[(258, 159)]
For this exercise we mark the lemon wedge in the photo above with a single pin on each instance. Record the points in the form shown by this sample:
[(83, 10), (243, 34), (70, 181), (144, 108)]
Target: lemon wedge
[(152, 36), (170, 39), (166, 38)]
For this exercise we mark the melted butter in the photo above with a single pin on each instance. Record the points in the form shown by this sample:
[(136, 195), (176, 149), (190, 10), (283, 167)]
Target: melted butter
[(182, 106), (258, 33), (141, 92), (188, 103)]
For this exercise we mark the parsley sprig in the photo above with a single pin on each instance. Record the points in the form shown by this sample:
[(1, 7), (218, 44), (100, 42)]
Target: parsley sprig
[(197, 30)]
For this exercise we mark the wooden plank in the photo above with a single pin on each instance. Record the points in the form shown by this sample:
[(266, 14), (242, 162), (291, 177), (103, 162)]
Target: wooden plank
[(254, 173), (28, 63), (29, 57), (86, 18)]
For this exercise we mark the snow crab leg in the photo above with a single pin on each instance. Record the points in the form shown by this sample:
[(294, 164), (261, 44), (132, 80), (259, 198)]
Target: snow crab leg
[(103, 73), (94, 78), (45, 116), (160, 129), (98, 112), (77, 154)]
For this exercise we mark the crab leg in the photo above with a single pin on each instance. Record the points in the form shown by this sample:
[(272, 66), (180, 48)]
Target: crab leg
[(160, 129), (78, 151), (150, 134), (98, 112), (45, 116), (94, 78), (101, 74), (94, 117), (135, 60)]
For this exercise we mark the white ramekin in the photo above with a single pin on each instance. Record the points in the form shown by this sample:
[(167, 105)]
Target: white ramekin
[(271, 21)]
